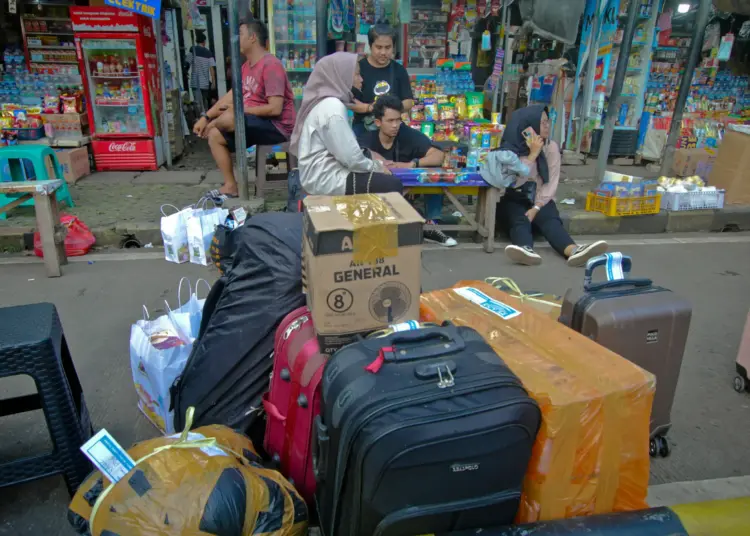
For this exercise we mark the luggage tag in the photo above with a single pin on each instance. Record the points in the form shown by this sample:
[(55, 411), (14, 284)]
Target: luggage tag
[(614, 266), (108, 456), (503, 310)]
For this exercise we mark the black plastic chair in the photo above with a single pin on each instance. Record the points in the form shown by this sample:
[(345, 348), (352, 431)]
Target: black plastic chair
[(32, 342)]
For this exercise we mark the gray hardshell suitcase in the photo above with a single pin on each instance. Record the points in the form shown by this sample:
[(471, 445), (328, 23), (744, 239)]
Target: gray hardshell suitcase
[(644, 323)]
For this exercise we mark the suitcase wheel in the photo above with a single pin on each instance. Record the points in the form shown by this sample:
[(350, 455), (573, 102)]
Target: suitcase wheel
[(740, 384), (658, 447)]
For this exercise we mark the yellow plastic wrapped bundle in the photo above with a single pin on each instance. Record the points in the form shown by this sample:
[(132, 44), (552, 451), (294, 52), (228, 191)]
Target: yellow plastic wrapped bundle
[(591, 453), (205, 482)]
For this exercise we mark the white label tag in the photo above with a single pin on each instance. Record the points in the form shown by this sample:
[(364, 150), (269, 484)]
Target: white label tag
[(210, 451), (614, 266), (405, 326), (504, 311), (108, 456), (240, 215)]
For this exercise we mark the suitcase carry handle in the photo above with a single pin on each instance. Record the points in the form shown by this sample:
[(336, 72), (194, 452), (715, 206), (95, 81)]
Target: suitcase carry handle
[(605, 285), (319, 449), (271, 410), (601, 260), (448, 335)]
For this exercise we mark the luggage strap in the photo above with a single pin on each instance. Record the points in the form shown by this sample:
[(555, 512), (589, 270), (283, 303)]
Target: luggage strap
[(499, 282)]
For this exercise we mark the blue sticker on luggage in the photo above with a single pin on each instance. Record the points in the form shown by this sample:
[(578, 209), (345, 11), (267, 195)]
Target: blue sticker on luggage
[(504, 311)]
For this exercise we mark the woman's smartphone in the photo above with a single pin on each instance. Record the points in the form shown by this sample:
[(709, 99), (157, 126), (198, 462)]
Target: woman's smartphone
[(528, 132)]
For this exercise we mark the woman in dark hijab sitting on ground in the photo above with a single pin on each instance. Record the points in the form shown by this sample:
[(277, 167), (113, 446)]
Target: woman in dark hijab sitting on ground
[(529, 204)]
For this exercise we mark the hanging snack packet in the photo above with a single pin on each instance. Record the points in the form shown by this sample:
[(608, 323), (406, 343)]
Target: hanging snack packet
[(475, 104), (428, 129), (430, 110), (447, 112), (461, 110), (417, 112)]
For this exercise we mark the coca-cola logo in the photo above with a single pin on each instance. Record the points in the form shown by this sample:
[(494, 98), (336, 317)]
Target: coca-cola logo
[(126, 147)]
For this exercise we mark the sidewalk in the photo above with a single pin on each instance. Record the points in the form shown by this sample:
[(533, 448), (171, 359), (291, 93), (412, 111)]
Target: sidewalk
[(119, 206)]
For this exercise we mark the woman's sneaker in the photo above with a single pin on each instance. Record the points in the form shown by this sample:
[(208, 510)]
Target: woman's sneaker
[(436, 236), (523, 255), (581, 254)]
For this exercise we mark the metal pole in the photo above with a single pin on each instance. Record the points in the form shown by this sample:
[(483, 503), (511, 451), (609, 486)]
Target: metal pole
[(696, 45), (501, 79), (588, 87), (163, 83), (239, 116), (615, 97), (507, 59)]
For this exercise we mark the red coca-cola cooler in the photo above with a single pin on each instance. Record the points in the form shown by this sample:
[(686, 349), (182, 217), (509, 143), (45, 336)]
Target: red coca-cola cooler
[(118, 61)]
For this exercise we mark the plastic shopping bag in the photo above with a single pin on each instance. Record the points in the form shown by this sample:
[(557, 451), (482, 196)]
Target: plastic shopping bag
[(158, 353), (201, 224), (78, 237), (174, 234), (186, 318)]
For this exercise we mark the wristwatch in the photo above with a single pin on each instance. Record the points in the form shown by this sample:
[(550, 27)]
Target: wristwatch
[(206, 116), (415, 162)]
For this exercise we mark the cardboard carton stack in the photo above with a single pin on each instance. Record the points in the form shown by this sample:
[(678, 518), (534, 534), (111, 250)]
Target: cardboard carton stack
[(731, 171), (361, 264), (689, 162)]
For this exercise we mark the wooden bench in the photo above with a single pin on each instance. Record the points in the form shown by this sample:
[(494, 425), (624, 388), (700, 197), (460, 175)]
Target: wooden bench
[(47, 217)]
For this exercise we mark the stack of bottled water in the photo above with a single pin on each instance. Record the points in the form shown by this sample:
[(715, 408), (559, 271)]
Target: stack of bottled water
[(22, 87), (454, 82)]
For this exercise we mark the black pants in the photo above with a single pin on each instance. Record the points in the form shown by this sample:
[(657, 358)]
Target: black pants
[(547, 222), (380, 183), (258, 131)]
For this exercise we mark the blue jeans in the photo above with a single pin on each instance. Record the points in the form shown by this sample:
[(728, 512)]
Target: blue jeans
[(433, 206)]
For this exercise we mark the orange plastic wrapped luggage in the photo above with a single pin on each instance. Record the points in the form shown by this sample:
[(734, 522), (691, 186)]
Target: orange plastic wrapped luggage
[(204, 488), (591, 453)]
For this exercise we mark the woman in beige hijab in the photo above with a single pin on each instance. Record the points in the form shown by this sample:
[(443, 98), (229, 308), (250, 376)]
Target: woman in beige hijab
[(330, 159)]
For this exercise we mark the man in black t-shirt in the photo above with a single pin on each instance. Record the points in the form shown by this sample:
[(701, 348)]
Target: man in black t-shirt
[(381, 75), (405, 147)]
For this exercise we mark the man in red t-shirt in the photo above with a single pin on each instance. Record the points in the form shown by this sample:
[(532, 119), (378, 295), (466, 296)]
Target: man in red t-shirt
[(268, 101)]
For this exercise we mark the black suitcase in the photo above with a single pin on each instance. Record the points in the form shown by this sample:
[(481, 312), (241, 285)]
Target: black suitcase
[(420, 432)]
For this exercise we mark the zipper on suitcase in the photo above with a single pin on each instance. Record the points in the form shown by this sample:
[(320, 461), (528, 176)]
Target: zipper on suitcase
[(345, 440), (456, 506), (576, 322), (394, 428)]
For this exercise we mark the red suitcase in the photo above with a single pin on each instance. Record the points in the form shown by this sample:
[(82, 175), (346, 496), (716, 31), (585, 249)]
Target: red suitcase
[(293, 400)]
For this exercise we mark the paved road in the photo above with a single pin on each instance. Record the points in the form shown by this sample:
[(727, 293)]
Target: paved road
[(97, 303)]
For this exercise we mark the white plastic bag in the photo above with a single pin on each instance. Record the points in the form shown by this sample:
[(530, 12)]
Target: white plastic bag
[(201, 225), (158, 354), (174, 234), (186, 318)]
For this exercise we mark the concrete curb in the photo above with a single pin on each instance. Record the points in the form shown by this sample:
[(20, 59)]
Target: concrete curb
[(699, 491), (731, 218), (576, 221)]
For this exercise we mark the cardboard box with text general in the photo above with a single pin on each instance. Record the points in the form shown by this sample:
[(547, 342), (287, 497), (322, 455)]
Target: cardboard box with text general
[(349, 296)]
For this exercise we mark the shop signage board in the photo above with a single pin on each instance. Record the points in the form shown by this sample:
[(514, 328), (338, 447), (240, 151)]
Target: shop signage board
[(608, 13), (150, 8)]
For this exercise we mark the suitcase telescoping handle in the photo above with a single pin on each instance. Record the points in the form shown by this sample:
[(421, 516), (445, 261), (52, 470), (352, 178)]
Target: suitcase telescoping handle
[(606, 260), (446, 341)]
